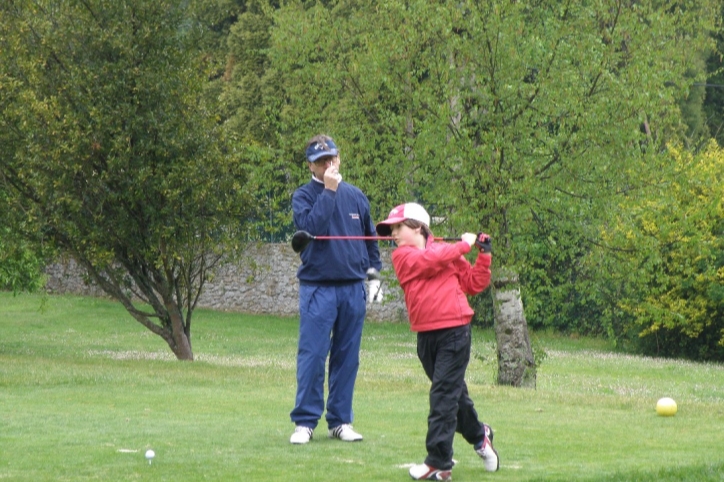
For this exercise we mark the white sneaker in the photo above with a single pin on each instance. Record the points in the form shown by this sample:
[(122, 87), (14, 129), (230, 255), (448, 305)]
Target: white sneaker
[(486, 451), (301, 435), (425, 472), (345, 433)]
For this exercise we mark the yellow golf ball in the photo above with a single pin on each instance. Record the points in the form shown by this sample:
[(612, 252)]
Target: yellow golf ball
[(666, 407)]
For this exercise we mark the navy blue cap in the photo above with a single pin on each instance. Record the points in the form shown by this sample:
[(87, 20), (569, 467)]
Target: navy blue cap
[(321, 149)]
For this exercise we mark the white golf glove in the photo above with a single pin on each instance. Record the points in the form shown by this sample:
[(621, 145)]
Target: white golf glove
[(374, 286), (374, 291)]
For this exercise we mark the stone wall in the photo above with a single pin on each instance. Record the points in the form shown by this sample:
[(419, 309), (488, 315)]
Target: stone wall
[(263, 282)]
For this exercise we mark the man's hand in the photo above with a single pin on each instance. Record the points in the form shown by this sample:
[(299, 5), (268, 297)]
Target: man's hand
[(373, 286), (484, 243), (332, 177)]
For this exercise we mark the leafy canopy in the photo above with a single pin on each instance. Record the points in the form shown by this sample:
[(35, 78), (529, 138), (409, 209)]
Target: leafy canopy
[(533, 122), (110, 150)]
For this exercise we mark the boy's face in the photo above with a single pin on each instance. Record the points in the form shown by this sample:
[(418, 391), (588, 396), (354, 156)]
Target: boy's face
[(404, 235)]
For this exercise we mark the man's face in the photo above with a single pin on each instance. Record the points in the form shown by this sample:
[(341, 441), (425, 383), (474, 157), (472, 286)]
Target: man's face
[(320, 166)]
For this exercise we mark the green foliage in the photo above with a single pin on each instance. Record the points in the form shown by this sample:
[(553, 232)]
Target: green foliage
[(22, 258), (110, 150), (693, 114), (676, 251), (217, 18), (561, 281), (530, 114), (21, 267), (714, 98), (253, 101), (531, 123)]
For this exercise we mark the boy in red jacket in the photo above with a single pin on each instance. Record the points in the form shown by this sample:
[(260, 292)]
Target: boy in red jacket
[(435, 278)]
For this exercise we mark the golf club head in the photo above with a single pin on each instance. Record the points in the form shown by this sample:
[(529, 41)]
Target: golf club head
[(300, 240)]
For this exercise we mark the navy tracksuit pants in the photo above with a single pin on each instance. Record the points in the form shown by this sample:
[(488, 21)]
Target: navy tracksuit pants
[(331, 319)]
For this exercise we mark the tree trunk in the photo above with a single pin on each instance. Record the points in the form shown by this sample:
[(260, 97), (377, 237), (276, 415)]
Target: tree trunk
[(516, 364), (182, 348), (180, 343)]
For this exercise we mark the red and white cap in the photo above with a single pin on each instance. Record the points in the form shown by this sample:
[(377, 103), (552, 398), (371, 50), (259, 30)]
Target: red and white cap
[(401, 213)]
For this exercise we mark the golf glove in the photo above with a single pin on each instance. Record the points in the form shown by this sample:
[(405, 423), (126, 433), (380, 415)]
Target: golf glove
[(374, 291), (484, 243), (374, 286)]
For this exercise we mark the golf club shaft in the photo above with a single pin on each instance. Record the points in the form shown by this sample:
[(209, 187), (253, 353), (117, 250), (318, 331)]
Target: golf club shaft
[(301, 239), (372, 238), (363, 238)]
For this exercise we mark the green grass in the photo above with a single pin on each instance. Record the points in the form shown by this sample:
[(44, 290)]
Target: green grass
[(85, 390)]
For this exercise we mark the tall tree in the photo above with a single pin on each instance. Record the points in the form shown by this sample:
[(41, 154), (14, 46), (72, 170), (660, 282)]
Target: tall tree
[(111, 152), (253, 100), (529, 120)]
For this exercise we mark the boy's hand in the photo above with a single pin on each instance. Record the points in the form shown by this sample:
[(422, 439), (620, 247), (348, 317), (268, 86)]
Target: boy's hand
[(484, 243), (468, 238)]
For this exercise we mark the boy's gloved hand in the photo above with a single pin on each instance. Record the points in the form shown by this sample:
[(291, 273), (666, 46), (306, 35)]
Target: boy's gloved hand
[(484, 243)]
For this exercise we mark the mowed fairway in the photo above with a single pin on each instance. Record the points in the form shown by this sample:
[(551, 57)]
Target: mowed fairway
[(85, 391)]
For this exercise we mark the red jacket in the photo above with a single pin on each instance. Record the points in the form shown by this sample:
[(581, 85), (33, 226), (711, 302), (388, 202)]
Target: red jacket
[(435, 281)]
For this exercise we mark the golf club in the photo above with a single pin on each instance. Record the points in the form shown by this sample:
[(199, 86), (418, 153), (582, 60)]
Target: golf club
[(301, 239)]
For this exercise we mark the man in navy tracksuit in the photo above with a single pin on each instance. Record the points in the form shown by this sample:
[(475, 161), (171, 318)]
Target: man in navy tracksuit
[(332, 297)]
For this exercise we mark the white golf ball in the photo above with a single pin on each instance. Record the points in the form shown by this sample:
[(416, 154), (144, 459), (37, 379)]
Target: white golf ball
[(150, 454)]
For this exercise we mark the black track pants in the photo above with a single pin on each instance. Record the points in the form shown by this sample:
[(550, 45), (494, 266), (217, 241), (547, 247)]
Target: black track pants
[(444, 355)]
